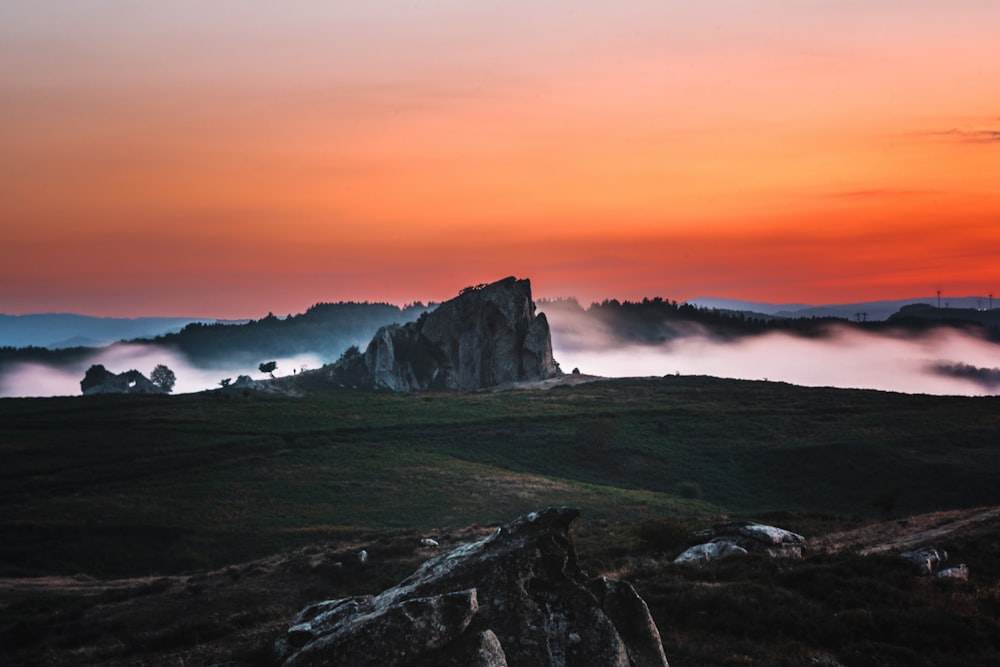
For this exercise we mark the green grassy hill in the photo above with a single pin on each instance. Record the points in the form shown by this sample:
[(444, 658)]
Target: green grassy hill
[(117, 485)]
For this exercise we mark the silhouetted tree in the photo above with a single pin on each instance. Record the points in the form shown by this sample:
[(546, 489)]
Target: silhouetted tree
[(351, 352), (163, 377), (268, 367)]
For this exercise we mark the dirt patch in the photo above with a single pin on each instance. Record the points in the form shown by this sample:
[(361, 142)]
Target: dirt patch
[(910, 532)]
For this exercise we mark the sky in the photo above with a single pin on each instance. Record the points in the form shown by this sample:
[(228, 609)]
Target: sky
[(229, 158)]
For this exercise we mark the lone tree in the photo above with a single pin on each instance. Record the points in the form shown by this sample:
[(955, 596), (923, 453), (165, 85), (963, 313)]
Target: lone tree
[(268, 367), (163, 378)]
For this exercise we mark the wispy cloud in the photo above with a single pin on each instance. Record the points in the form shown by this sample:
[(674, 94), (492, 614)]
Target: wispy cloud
[(972, 136), (880, 193)]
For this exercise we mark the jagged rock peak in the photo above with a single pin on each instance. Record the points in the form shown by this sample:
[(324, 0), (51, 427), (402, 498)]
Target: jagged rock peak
[(488, 335), (514, 599)]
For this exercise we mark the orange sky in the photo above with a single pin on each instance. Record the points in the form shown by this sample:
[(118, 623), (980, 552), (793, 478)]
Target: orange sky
[(222, 159)]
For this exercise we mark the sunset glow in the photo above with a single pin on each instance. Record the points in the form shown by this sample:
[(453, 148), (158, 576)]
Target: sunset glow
[(226, 159)]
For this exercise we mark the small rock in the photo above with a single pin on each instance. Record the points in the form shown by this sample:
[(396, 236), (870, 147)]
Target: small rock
[(960, 572), (702, 553)]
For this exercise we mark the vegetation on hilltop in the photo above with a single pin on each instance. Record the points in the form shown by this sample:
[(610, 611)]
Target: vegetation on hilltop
[(659, 320), (325, 329)]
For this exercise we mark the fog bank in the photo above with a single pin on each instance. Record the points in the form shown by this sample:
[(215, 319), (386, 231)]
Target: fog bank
[(945, 361), (33, 379)]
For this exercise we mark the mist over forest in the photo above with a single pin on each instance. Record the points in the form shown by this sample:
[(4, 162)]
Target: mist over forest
[(921, 349)]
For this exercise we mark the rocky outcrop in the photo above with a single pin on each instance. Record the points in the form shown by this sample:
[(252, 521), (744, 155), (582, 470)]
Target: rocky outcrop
[(99, 380), (514, 599), (741, 538), (488, 335), (247, 382)]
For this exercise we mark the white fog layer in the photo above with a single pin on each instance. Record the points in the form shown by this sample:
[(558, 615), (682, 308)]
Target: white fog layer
[(846, 358)]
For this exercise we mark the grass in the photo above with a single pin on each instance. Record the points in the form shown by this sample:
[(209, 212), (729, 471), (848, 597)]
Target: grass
[(114, 485), (847, 610)]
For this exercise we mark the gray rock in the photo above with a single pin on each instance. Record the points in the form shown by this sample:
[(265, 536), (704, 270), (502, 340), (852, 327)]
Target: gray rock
[(372, 633), (487, 336), (960, 572), (926, 560), (487, 651), (516, 598), (630, 615), (738, 538), (702, 553)]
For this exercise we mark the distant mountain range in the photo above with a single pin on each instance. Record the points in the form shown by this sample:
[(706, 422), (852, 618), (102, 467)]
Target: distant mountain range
[(63, 330), (867, 310)]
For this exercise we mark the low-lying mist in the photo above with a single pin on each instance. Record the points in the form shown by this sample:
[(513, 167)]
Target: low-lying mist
[(943, 361), (33, 379)]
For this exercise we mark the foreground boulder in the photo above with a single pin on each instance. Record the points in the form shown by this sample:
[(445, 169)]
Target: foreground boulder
[(514, 599), (738, 538), (488, 335)]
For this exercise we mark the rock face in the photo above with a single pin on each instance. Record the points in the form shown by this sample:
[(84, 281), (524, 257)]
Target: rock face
[(514, 599), (486, 336), (99, 380), (741, 538)]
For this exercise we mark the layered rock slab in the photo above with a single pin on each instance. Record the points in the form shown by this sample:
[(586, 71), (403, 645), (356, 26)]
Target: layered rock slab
[(740, 538), (514, 599)]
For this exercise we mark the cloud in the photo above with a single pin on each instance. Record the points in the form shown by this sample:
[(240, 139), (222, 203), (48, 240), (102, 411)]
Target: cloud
[(880, 193), (844, 357), (981, 136)]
